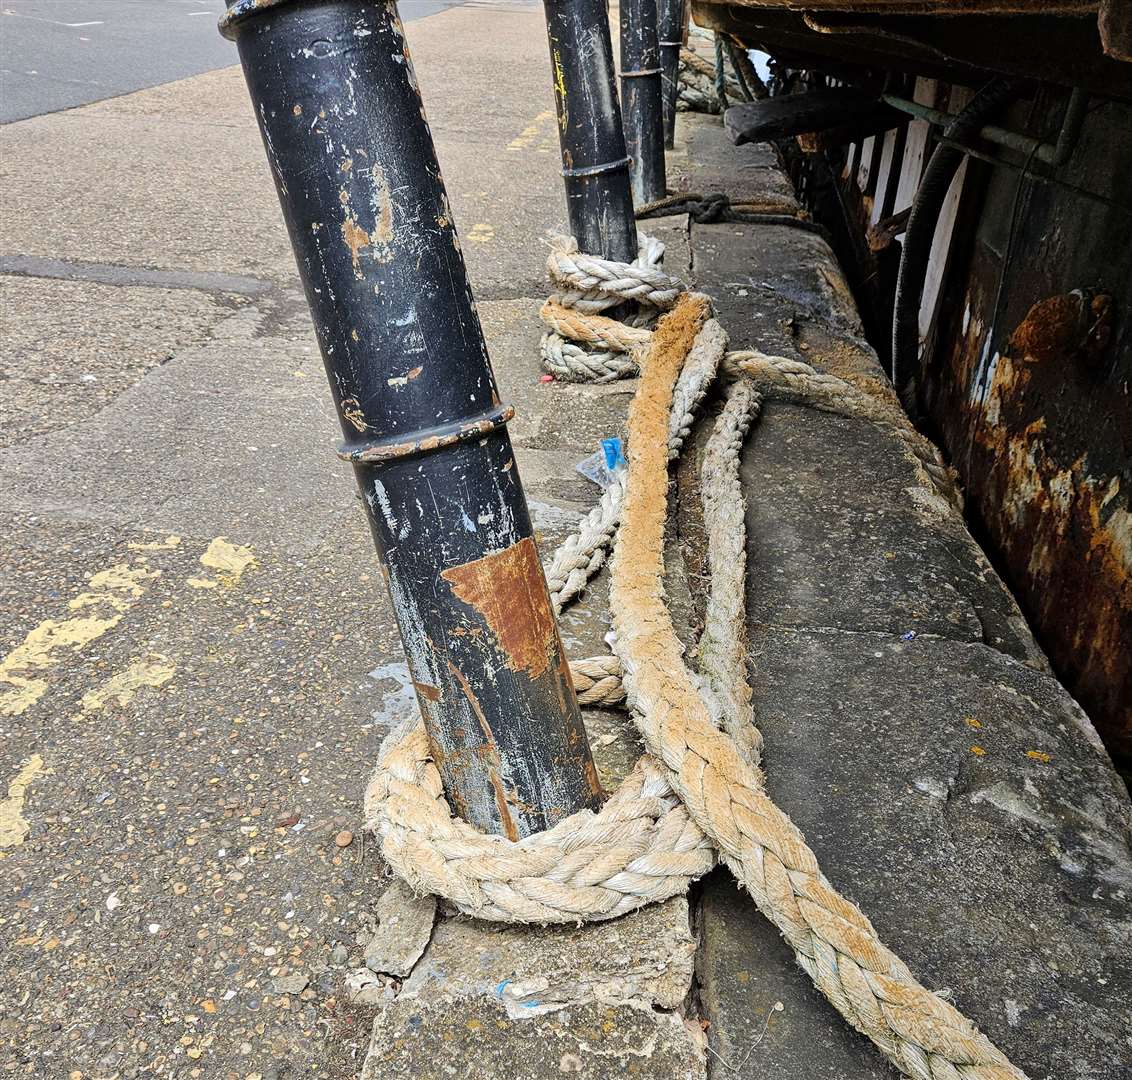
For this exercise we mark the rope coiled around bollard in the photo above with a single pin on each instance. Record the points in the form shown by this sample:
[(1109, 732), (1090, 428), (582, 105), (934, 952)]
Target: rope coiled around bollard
[(582, 346), (697, 793)]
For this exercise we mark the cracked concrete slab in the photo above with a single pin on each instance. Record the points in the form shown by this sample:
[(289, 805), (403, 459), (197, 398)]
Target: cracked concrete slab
[(71, 347), (606, 996), (643, 959), (404, 927), (249, 447), (589, 1041), (37, 266), (963, 800), (232, 435), (837, 539)]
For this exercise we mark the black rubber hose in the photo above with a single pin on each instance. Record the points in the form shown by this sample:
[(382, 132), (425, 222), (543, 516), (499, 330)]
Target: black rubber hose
[(922, 222)]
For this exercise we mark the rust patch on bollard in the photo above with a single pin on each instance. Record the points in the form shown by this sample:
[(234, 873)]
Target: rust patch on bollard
[(507, 588), (427, 690), (490, 752)]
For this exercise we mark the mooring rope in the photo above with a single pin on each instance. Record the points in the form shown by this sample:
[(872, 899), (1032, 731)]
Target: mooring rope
[(717, 206), (697, 793), (580, 345)]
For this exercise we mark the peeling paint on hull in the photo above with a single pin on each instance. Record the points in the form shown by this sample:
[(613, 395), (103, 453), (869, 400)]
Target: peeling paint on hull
[(1045, 458)]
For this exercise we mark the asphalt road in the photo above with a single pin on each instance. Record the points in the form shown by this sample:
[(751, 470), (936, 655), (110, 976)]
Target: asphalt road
[(56, 54)]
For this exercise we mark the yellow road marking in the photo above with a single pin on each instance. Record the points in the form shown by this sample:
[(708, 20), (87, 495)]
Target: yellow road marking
[(110, 592), (13, 826), (481, 234), (227, 559), (155, 669), (531, 132)]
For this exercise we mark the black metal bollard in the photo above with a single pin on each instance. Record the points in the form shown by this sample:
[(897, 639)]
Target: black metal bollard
[(595, 164), (641, 99), (670, 38), (344, 128)]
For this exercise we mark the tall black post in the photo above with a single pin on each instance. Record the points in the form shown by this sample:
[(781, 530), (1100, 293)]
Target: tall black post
[(595, 164), (333, 89), (641, 99), (670, 38)]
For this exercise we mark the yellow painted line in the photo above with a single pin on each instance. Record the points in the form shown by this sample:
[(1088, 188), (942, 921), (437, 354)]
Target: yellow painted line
[(481, 233), (155, 669), (109, 594), (531, 132), (230, 559), (13, 826), (227, 559)]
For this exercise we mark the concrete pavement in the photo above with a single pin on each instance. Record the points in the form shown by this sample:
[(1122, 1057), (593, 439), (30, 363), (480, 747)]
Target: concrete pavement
[(200, 659), (199, 733)]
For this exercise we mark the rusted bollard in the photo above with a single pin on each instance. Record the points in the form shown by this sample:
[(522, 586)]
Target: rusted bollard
[(343, 124), (670, 37), (595, 164), (641, 99)]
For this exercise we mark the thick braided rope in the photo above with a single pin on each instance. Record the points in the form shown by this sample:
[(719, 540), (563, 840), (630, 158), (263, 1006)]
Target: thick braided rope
[(793, 380), (597, 866), (601, 351), (697, 84), (722, 649), (833, 941), (582, 554), (588, 274), (778, 376), (717, 206), (786, 380), (597, 330), (597, 680), (679, 715), (569, 362), (640, 848)]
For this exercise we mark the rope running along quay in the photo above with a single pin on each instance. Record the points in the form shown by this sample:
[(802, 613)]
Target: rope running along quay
[(697, 794)]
